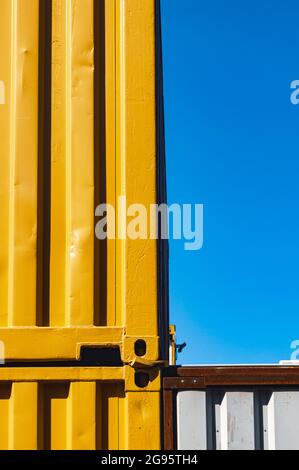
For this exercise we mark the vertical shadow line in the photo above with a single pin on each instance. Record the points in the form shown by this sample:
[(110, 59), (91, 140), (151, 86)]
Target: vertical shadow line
[(163, 247), (43, 416), (100, 195), (44, 163)]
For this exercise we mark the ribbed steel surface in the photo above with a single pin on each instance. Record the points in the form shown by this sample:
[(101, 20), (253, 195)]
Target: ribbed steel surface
[(231, 407), (238, 419)]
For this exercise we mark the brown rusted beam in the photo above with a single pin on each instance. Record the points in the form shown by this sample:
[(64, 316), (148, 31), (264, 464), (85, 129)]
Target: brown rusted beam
[(234, 375), (191, 383), (168, 420)]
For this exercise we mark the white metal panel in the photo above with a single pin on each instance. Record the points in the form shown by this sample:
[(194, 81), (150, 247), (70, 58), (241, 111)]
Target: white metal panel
[(218, 426), (281, 419), (192, 420), (237, 421), (244, 419)]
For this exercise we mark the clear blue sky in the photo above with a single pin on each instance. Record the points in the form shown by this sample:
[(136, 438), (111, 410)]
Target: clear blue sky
[(232, 139)]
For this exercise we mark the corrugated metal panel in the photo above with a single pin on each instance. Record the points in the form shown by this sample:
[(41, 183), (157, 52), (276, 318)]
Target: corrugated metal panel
[(281, 421), (75, 409), (19, 22), (242, 420), (192, 420), (79, 79), (79, 126), (72, 164), (235, 421), (231, 408)]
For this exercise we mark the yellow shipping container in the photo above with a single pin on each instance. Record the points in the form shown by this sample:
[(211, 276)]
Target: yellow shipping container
[(81, 123)]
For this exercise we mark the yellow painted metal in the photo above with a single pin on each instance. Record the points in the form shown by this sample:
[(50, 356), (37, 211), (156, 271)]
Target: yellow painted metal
[(72, 197), (130, 157), (142, 415), (136, 161), (5, 393), (102, 146), (76, 409), (41, 343), (173, 349), (22, 425), (19, 23), (82, 416), (55, 403), (31, 374)]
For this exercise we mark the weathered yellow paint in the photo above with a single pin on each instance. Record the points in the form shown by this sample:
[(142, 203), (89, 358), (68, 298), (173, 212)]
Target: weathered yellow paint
[(18, 161), (130, 158), (56, 425), (5, 395), (142, 416), (72, 228), (112, 398), (154, 384), (82, 416), (76, 409), (5, 155), (69, 407), (32, 374), (136, 161), (23, 409), (42, 343), (152, 349)]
